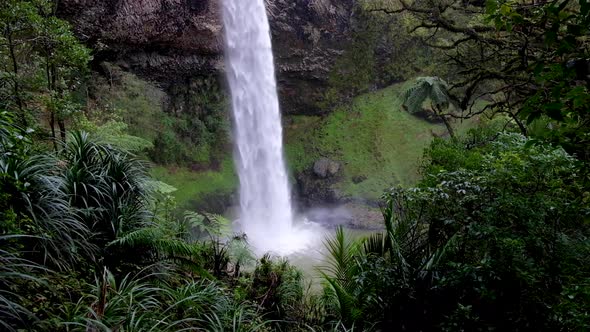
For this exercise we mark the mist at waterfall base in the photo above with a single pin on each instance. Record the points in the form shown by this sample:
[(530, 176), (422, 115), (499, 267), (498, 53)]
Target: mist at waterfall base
[(266, 214)]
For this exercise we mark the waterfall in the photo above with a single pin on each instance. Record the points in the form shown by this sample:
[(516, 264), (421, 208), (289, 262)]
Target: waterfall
[(265, 205)]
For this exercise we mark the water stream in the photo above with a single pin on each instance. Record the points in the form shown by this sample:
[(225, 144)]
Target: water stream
[(266, 214)]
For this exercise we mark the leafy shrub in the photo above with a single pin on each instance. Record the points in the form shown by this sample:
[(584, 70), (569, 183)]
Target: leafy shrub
[(489, 240), (277, 288)]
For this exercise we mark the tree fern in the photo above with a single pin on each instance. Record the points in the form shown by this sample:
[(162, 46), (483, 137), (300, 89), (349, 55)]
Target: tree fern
[(436, 90), (414, 97), (439, 92), (209, 224), (433, 88), (240, 254)]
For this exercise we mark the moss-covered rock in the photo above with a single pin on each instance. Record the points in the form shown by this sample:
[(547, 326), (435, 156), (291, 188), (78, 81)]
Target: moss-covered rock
[(171, 41)]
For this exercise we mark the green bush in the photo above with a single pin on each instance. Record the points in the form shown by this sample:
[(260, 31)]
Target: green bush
[(493, 238)]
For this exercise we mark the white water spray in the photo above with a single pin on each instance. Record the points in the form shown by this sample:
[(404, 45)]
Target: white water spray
[(265, 205)]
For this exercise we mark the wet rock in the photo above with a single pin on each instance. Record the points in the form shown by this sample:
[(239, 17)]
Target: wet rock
[(316, 186), (312, 189), (325, 168), (168, 41), (212, 203), (198, 6)]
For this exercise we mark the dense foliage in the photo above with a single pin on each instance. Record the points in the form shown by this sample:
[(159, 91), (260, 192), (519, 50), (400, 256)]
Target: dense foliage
[(87, 228), (494, 237), (527, 60), (43, 63)]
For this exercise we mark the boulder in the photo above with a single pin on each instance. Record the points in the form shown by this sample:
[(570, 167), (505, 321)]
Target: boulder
[(325, 168), (314, 190)]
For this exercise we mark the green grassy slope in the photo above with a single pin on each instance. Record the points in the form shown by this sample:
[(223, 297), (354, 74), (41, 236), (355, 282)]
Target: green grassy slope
[(373, 138), (139, 104), (194, 186)]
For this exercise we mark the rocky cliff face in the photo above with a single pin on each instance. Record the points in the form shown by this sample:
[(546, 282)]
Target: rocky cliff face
[(172, 41)]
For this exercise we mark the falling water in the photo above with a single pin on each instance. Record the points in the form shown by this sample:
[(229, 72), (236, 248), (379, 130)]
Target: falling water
[(265, 206)]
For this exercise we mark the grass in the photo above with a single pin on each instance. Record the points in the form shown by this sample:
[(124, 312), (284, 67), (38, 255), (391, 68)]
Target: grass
[(194, 186), (300, 150), (375, 141), (140, 105), (373, 138)]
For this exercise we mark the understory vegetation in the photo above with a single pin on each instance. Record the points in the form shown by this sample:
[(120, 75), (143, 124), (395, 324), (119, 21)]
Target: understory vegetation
[(486, 222), (494, 237), (360, 135)]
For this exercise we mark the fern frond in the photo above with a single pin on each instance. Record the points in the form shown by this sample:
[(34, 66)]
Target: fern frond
[(376, 244), (222, 224), (153, 238), (440, 93), (342, 252), (414, 97), (114, 133), (433, 88)]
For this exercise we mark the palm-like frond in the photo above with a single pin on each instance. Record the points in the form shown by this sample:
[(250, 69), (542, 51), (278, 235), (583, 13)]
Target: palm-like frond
[(376, 244), (398, 232), (108, 187), (433, 88), (437, 257), (188, 255), (342, 253), (414, 97), (35, 194), (340, 274), (138, 303), (132, 304), (412, 248), (346, 301), (15, 270)]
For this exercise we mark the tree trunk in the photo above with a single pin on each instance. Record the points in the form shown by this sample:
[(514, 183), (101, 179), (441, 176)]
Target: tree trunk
[(448, 125), (444, 119), (520, 125), (62, 129), (52, 125), (237, 270), (16, 85)]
